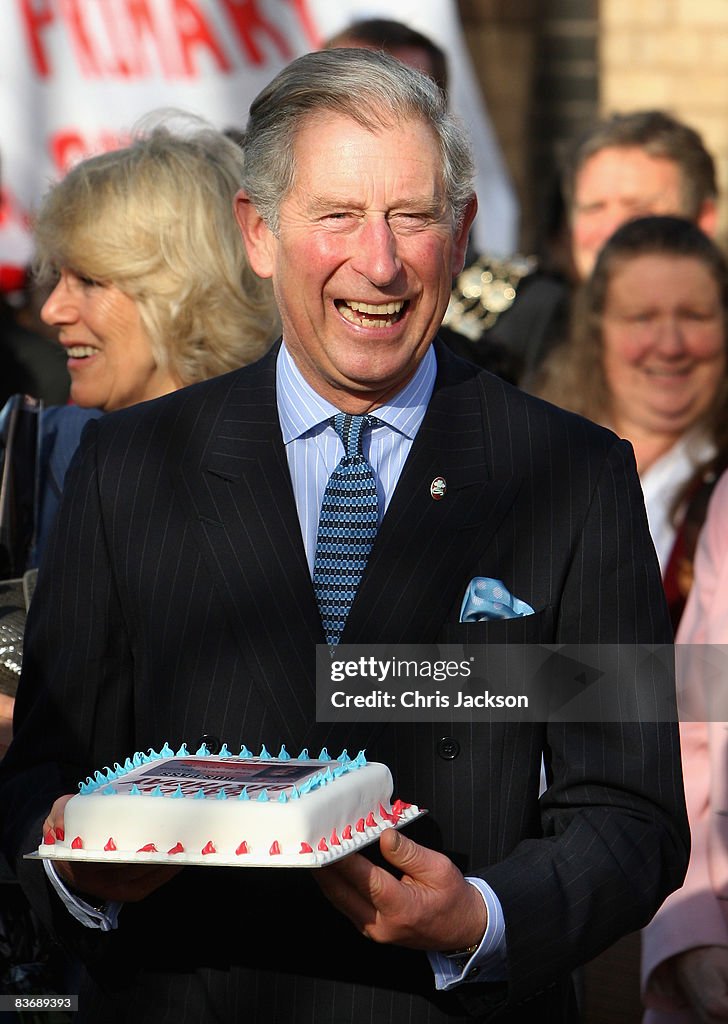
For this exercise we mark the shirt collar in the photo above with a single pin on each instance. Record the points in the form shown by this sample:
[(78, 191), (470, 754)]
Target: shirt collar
[(301, 409)]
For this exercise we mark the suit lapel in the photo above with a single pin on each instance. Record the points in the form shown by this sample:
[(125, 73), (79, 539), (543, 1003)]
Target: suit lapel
[(243, 505), (419, 565)]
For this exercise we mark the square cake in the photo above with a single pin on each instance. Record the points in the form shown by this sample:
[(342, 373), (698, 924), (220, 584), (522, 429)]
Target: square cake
[(229, 809)]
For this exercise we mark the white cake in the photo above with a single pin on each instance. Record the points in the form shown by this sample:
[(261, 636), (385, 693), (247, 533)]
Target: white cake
[(224, 809)]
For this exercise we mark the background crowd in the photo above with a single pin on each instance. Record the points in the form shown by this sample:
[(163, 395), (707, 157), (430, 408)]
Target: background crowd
[(624, 323)]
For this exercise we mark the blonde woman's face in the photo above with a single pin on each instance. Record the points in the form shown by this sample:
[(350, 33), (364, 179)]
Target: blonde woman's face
[(663, 338), (110, 357)]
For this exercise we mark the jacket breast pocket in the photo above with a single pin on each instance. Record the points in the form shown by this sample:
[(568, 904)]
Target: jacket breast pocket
[(525, 629)]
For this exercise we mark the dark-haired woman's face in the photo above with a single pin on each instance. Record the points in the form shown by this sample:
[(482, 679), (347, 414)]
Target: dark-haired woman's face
[(664, 343)]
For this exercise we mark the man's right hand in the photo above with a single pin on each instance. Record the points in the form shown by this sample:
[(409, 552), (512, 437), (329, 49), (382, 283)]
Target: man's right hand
[(102, 883)]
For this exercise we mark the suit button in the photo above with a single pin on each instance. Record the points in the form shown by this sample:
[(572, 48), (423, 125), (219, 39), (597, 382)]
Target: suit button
[(448, 748), (212, 743)]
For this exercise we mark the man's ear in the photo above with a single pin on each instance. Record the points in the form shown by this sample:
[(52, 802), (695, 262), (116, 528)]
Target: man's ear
[(707, 218), (462, 234), (259, 240)]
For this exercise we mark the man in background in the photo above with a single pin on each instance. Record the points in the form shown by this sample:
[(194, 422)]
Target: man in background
[(413, 48), (632, 165)]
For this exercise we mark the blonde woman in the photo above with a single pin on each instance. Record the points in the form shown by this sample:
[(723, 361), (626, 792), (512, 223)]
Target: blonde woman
[(150, 285)]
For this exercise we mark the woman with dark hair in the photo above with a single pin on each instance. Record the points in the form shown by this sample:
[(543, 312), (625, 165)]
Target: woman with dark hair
[(647, 358)]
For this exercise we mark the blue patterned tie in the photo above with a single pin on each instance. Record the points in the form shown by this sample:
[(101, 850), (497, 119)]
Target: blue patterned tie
[(347, 528)]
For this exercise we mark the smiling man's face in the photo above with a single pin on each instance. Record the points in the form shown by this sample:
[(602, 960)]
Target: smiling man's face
[(363, 262)]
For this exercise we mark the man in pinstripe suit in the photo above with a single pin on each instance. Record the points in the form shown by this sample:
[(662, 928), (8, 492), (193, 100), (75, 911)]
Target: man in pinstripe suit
[(176, 604)]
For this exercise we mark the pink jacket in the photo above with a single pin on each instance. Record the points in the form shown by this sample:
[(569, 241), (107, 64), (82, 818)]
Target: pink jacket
[(697, 914)]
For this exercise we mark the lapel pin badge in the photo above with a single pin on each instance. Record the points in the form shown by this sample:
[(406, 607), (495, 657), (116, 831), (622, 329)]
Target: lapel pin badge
[(438, 488)]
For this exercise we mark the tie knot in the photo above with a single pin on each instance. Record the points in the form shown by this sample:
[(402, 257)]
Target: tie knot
[(350, 429)]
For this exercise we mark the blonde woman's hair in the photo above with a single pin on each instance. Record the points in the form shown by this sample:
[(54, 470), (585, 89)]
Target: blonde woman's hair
[(156, 219)]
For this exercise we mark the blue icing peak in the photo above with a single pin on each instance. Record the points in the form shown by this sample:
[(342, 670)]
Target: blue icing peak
[(157, 791), (101, 779), (263, 796), (282, 799), (135, 791)]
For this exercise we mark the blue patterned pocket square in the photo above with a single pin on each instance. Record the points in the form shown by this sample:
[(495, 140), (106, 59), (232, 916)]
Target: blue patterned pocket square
[(487, 599)]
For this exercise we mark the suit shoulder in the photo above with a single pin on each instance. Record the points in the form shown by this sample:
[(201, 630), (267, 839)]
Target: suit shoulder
[(507, 406), (540, 418), (192, 410)]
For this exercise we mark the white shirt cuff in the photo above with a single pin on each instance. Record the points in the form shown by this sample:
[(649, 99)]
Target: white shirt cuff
[(90, 917), (488, 962)]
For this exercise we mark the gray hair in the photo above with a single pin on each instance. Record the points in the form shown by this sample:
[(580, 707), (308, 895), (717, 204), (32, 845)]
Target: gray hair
[(368, 86)]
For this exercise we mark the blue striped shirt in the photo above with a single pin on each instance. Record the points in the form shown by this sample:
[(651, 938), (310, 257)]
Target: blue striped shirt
[(314, 449)]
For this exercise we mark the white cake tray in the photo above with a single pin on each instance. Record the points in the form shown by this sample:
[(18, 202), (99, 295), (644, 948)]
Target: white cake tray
[(316, 859)]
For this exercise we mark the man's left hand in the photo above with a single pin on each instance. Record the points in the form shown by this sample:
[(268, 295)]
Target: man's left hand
[(431, 906)]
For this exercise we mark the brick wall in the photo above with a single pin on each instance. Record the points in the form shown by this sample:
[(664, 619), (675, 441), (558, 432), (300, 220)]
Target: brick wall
[(536, 61), (671, 54)]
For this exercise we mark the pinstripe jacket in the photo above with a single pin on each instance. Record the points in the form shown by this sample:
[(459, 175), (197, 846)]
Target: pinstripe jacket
[(176, 602)]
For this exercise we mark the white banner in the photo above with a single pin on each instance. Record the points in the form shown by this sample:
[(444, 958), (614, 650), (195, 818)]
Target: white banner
[(76, 74)]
